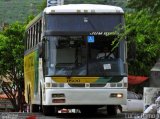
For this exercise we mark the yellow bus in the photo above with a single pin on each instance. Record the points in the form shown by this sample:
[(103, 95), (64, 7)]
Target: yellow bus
[(64, 63)]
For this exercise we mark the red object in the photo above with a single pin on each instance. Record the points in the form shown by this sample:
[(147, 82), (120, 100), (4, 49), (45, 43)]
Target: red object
[(133, 80), (3, 96), (64, 111), (31, 117)]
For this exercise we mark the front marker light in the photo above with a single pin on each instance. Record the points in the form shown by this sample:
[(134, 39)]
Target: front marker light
[(113, 85), (119, 84), (125, 85), (47, 85)]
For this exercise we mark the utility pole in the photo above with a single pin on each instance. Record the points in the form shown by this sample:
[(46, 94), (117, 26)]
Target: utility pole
[(54, 2)]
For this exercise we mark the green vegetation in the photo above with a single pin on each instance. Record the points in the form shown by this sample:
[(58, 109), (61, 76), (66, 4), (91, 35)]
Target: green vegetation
[(17, 10), (151, 5), (11, 62), (121, 3), (142, 30)]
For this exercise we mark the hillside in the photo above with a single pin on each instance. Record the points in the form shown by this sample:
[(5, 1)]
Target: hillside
[(17, 10)]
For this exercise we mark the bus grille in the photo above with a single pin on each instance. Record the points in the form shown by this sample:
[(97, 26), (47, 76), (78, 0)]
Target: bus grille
[(87, 85)]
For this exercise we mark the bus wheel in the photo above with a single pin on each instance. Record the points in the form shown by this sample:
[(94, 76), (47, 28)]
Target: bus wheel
[(29, 105), (112, 110), (41, 107), (48, 110), (35, 108), (88, 110)]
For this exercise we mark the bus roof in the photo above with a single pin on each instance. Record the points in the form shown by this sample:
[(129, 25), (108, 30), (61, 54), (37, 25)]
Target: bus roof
[(83, 8), (78, 8)]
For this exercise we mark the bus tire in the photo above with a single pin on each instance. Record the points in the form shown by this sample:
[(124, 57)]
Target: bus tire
[(48, 110), (112, 110), (29, 105), (88, 110), (35, 108), (41, 107)]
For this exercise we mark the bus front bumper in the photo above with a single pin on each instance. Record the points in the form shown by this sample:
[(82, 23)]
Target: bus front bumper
[(106, 96)]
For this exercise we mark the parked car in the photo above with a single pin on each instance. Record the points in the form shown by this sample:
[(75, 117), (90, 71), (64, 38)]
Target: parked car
[(134, 103)]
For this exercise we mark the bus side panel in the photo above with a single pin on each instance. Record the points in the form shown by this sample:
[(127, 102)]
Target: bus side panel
[(31, 75)]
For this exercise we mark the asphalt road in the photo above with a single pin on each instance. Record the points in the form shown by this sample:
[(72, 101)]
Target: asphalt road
[(13, 115)]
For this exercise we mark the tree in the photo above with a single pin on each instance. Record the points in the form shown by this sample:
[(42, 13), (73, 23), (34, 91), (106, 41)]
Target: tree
[(152, 6), (43, 5), (143, 31), (86, 1), (11, 62)]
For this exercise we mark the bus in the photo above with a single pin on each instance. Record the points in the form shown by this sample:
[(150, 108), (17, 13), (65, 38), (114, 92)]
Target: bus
[(61, 67)]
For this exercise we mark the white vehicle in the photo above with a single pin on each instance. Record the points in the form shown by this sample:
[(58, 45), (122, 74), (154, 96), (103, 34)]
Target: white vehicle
[(134, 103), (60, 65)]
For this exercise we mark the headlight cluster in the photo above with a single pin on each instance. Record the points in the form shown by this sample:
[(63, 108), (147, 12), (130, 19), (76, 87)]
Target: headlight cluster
[(116, 95), (58, 98)]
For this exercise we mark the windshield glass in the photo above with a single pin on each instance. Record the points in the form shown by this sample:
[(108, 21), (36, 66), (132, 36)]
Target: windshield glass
[(82, 56)]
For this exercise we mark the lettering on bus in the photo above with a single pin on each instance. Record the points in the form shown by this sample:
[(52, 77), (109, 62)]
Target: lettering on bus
[(73, 80), (102, 33)]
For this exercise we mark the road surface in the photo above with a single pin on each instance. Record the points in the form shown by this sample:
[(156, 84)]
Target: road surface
[(14, 115)]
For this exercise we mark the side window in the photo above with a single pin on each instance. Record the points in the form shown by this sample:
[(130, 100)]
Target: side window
[(36, 32), (28, 39), (31, 40), (45, 47), (34, 35), (40, 30)]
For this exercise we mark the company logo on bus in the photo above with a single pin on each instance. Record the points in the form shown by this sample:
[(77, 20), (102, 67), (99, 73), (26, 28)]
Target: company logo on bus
[(103, 33), (54, 2)]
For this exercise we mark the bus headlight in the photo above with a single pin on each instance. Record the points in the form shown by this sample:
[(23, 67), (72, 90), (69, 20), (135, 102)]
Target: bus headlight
[(58, 98), (58, 95), (116, 95)]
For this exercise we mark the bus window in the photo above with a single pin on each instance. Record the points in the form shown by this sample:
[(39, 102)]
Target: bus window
[(73, 56), (40, 30), (65, 54)]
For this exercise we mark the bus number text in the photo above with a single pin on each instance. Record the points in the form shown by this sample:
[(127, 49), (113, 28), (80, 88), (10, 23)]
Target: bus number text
[(73, 80)]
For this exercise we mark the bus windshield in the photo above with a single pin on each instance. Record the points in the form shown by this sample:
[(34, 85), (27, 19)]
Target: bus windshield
[(77, 56)]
